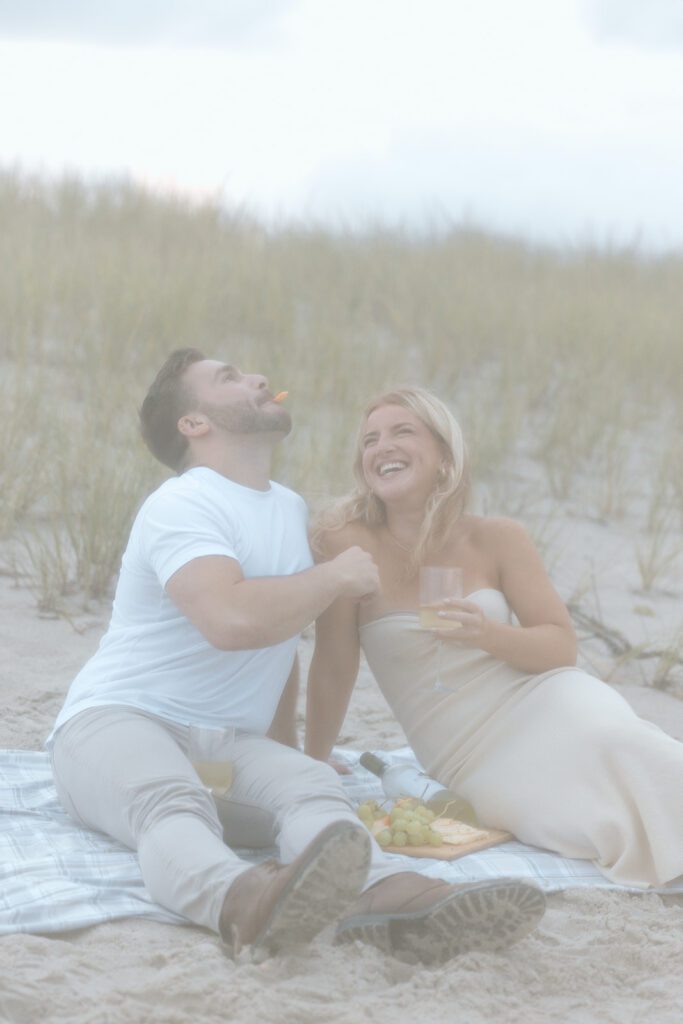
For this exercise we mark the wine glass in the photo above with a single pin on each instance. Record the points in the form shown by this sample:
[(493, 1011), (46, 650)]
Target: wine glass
[(210, 752), (438, 583)]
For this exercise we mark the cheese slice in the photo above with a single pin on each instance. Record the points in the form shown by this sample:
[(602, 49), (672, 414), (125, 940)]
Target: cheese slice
[(457, 833)]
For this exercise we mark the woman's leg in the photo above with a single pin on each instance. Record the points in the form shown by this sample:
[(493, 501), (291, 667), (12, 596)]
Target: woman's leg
[(572, 768)]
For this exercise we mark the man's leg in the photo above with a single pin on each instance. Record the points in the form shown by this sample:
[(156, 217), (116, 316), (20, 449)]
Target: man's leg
[(125, 773), (400, 911), (302, 794)]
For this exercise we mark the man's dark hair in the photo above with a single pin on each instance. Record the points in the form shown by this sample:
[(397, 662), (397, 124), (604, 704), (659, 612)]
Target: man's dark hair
[(166, 401)]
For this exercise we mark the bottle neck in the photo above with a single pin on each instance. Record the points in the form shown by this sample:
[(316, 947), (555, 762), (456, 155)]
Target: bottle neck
[(374, 764)]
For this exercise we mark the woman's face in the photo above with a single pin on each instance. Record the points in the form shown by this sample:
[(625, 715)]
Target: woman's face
[(401, 458)]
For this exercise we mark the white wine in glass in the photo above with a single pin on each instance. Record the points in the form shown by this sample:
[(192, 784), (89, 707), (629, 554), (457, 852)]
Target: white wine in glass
[(438, 583), (216, 775), (209, 750)]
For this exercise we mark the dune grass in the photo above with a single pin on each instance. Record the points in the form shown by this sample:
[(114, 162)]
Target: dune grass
[(563, 357)]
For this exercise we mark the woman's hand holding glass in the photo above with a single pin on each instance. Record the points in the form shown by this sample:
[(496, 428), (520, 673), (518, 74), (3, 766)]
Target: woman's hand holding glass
[(464, 623)]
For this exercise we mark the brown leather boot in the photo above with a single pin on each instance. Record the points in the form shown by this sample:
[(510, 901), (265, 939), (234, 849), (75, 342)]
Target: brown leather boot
[(433, 921), (272, 906)]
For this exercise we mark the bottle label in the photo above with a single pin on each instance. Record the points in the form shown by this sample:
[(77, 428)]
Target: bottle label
[(405, 780), (429, 787)]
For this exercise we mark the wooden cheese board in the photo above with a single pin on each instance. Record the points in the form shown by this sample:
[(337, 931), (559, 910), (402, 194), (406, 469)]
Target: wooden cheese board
[(449, 852)]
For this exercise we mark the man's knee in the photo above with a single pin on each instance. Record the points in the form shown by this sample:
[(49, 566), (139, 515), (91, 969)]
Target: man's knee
[(163, 798), (313, 779)]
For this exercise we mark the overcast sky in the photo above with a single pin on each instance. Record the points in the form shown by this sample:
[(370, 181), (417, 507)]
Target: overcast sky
[(556, 119)]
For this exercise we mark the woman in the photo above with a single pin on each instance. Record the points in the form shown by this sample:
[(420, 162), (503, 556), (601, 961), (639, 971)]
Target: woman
[(537, 746)]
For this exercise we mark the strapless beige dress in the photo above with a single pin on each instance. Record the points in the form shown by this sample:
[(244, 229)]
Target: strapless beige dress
[(560, 759)]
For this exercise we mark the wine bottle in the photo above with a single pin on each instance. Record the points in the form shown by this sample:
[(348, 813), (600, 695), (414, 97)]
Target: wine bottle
[(404, 779)]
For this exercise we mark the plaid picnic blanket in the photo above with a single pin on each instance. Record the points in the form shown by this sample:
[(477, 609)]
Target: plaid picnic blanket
[(55, 876)]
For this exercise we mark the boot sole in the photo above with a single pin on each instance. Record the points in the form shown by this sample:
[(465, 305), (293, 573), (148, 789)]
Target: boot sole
[(328, 883), (489, 916)]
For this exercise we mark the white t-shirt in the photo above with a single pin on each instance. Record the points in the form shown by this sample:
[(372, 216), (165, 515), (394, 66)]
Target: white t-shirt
[(152, 657)]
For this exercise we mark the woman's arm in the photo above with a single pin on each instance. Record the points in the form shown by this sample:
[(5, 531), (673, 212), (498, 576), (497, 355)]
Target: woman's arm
[(545, 638), (334, 666), (283, 726), (331, 677)]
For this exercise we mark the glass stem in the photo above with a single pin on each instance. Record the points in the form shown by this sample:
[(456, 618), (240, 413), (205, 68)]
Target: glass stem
[(438, 685)]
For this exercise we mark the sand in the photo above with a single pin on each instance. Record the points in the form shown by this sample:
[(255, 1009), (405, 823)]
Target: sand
[(597, 956)]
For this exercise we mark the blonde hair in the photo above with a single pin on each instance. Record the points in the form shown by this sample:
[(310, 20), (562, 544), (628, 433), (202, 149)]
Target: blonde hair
[(447, 501)]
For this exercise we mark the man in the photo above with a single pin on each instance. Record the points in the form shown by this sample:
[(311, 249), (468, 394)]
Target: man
[(216, 584)]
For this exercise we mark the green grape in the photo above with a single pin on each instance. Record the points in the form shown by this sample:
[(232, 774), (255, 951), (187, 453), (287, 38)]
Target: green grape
[(411, 818), (408, 803), (399, 838), (384, 837)]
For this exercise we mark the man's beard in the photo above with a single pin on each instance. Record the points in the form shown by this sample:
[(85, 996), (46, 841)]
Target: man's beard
[(249, 419)]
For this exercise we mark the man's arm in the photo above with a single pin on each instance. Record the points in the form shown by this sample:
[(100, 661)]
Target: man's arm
[(236, 614)]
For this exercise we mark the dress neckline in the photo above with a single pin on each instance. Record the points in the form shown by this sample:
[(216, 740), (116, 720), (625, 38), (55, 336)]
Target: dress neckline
[(416, 615)]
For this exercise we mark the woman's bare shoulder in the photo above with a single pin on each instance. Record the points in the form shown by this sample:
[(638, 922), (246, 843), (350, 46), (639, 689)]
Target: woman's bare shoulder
[(493, 530), (333, 541)]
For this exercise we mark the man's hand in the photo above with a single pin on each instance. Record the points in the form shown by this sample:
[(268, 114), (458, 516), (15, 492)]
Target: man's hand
[(357, 573)]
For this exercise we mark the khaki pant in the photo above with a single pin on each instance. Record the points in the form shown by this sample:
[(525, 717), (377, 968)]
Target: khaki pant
[(126, 773)]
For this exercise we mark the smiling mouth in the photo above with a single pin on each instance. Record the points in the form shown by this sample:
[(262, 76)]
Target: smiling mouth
[(389, 468)]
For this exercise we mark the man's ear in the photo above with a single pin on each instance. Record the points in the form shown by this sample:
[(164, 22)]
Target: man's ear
[(193, 424)]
